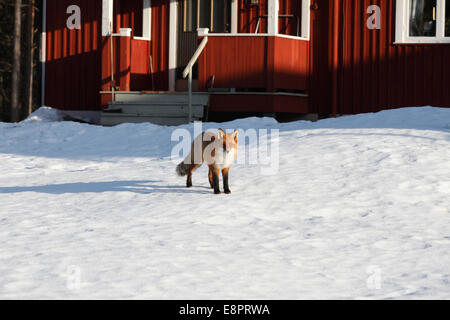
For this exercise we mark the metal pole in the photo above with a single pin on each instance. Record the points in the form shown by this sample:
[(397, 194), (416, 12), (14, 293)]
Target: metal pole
[(112, 63), (151, 72)]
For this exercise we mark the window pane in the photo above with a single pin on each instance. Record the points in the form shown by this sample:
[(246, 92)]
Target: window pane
[(190, 15), (422, 18), (218, 16), (205, 14), (447, 18)]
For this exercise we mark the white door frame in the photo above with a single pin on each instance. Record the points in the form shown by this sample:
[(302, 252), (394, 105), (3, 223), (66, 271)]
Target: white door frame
[(173, 36)]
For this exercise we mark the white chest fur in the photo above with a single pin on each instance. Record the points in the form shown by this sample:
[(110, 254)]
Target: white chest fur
[(224, 159)]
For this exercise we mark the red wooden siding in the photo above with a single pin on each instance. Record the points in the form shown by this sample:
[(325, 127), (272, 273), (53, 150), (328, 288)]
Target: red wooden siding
[(160, 43), (106, 84), (249, 62), (291, 63), (258, 103), (375, 74), (140, 65), (72, 56), (236, 62)]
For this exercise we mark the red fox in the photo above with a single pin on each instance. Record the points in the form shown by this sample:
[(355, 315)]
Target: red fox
[(218, 151)]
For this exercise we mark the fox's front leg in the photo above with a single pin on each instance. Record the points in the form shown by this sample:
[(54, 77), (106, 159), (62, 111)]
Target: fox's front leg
[(226, 188), (216, 173)]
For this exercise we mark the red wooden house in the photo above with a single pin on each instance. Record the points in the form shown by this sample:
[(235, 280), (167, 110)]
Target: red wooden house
[(281, 57)]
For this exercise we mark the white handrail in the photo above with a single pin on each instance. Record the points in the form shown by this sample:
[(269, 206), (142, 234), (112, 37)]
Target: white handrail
[(195, 57), (188, 72)]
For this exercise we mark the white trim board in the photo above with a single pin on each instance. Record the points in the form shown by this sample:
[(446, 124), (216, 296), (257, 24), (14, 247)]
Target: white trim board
[(234, 16), (147, 20), (253, 35), (173, 48)]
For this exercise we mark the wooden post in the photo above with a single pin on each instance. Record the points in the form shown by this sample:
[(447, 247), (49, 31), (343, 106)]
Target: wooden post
[(15, 106), (28, 106)]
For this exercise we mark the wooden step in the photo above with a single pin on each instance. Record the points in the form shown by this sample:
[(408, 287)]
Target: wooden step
[(157, 109), (174, 97), (163, 108)]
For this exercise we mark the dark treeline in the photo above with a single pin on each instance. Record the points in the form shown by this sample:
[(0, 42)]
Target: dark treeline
[(28, 79)]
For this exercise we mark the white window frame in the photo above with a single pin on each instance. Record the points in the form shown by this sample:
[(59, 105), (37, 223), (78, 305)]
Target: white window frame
[(233, 18), (403, 20), (107, 19), (273, 9)]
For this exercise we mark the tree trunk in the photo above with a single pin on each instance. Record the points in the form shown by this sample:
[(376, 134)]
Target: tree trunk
[(15, 107), (29, 67)]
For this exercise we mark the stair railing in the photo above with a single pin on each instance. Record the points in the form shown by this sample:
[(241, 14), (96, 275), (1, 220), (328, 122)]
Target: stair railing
[(188, 70)]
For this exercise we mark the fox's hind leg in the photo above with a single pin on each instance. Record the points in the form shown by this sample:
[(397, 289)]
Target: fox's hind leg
[(189, 175), (211, 177)]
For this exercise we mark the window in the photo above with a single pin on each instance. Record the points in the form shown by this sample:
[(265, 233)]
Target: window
[(422, 18), (290, 18), (190, 15), (212, 14), (423, 21)]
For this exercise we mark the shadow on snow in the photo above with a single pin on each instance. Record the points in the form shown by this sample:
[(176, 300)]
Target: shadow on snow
[(142, 187)]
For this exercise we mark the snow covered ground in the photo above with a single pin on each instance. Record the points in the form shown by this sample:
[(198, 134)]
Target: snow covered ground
[(359, 208)]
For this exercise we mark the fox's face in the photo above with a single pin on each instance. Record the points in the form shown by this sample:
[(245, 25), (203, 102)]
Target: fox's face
[(229, 142)]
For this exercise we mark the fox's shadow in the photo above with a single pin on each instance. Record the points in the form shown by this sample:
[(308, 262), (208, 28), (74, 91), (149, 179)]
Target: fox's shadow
[(141, 186)]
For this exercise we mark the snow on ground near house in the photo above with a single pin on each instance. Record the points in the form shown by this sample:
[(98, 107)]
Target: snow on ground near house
[(359, 208)]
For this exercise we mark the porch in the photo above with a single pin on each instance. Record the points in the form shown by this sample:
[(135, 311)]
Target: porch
[(261, 64)]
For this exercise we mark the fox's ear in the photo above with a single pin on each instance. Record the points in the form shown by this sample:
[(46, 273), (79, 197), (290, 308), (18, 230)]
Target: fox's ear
[(221, 133), (235, 135)]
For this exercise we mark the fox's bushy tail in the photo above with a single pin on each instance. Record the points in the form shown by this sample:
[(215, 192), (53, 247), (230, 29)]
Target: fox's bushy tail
[(183, 169)]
